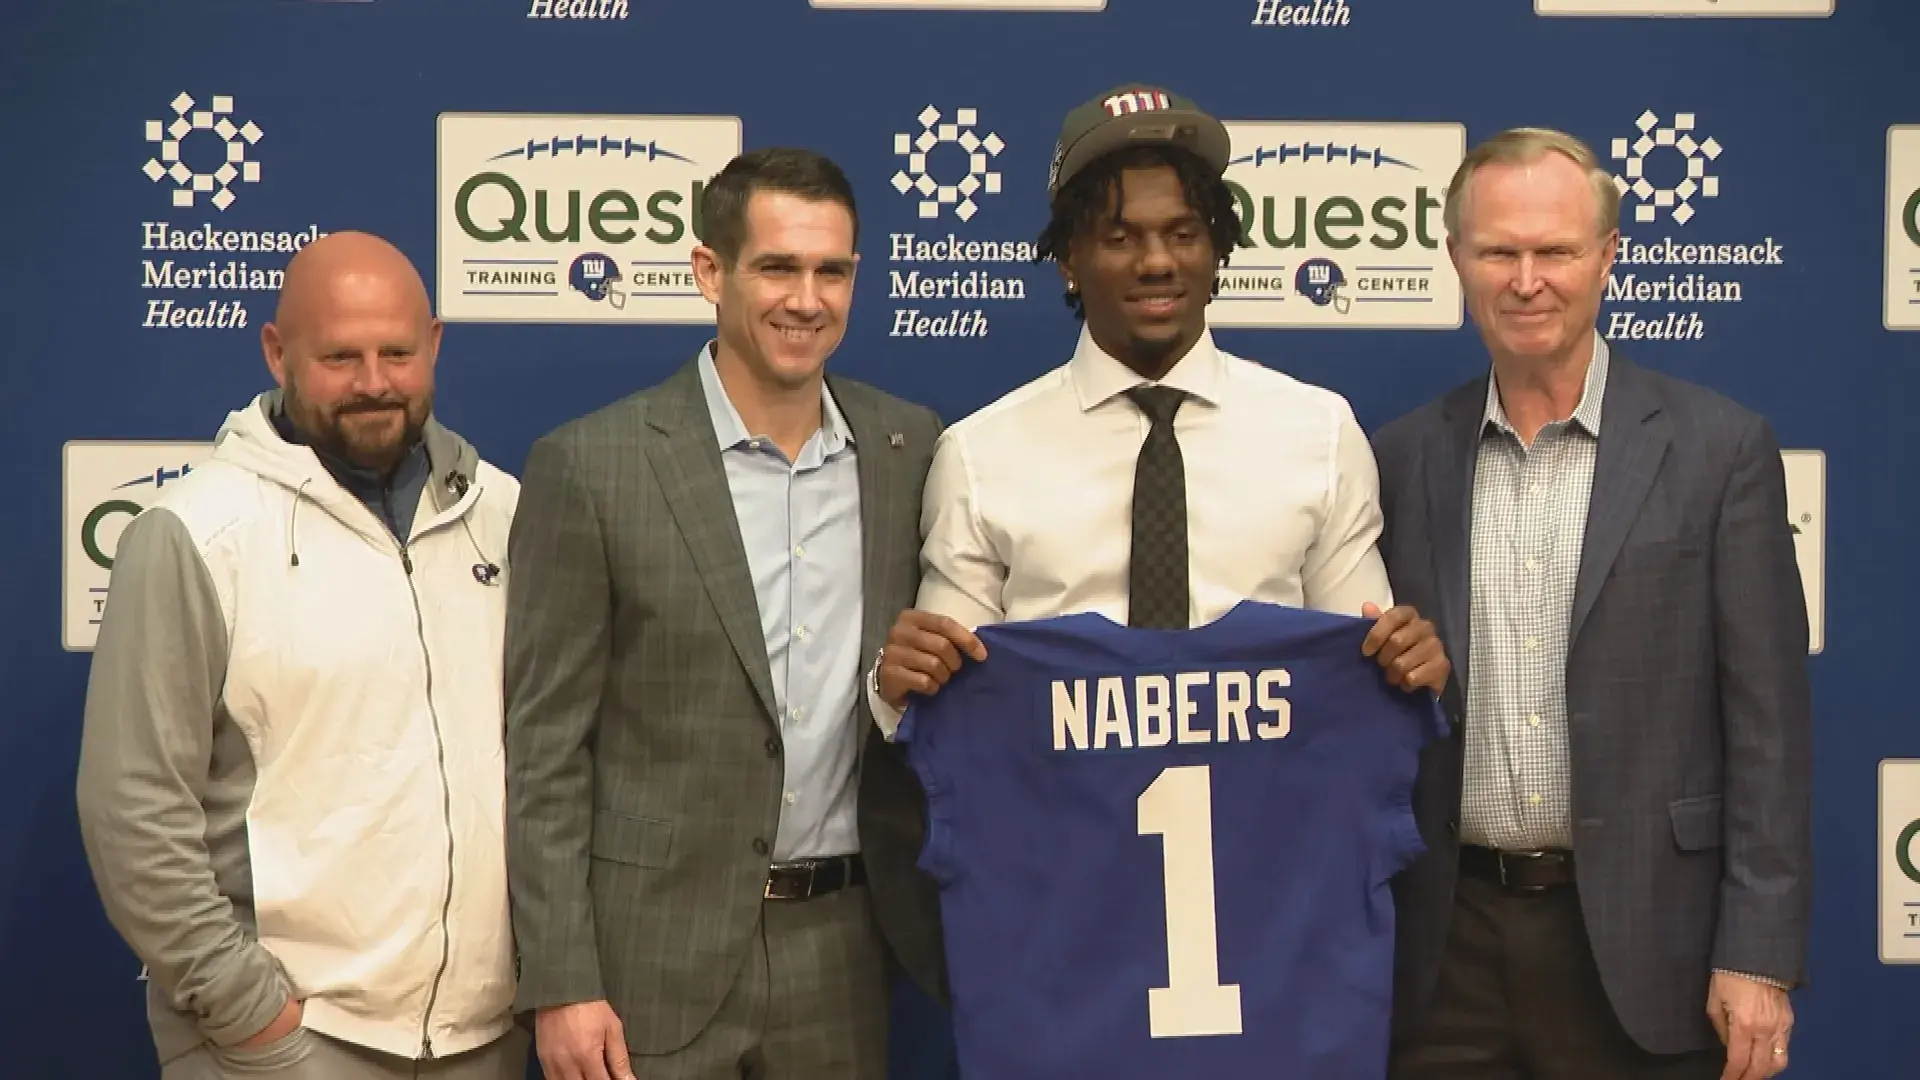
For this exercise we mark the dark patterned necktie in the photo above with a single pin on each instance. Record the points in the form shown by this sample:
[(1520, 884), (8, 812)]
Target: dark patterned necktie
[(1157, 570)]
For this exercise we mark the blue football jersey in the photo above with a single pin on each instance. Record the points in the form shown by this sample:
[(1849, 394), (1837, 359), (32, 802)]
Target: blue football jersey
[(1166, 854)]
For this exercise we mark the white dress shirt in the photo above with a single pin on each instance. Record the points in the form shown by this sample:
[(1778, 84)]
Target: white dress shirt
[(1028, 507)]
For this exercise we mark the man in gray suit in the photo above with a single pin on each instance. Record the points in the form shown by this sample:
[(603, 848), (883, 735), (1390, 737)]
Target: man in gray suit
[(706, 832), (1619, 864)]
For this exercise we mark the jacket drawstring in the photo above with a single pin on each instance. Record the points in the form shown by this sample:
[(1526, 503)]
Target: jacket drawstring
[(292, 514)]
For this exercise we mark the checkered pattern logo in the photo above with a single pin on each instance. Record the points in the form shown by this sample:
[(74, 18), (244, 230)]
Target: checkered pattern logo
[(169, 163), (1654, 139), (917, 178)]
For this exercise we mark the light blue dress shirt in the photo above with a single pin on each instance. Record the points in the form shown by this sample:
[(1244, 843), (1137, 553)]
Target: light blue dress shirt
[(800, 521)]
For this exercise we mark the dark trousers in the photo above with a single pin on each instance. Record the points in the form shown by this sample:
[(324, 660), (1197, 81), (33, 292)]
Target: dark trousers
[(1519, 998)]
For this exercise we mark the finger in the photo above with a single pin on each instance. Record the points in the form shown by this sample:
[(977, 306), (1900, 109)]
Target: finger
[(924, 661), (1383, 629), (1431, 675), (618, 1067), (558, 1064), (594, 1063), (1740, 1044), (1411, 660), (1717, 1016), (1369, 610), (964, 638), (1760, 1057)]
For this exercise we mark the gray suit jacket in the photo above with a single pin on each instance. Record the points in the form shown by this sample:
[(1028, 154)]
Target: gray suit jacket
[(1689, 720), (644, 769)]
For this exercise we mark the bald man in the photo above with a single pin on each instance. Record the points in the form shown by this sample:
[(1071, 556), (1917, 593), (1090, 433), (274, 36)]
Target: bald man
[(291, 786)]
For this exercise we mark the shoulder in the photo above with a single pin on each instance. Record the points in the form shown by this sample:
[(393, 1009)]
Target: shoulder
[(1705, 412), (896, 412), (1405, 433), (1010, 413), (216, 500), (615, 422)]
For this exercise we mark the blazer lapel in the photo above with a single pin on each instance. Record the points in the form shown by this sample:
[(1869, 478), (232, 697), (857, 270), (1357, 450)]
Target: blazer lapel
[(1450, 459), (1633, 442), (694, 481), (878, 462)]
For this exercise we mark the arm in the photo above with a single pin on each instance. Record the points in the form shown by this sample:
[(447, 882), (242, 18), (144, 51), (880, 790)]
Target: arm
[(557, 644), (146, 745), (961, 574), (1760, 632), (1343, 570)]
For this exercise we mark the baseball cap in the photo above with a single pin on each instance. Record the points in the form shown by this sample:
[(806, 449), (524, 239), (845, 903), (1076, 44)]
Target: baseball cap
[(1135, 114)]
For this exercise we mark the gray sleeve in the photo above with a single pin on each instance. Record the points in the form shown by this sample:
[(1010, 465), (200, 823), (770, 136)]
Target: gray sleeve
[(145, 747), (558, 640)]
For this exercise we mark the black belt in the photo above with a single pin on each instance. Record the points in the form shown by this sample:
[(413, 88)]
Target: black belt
[(804, 879), (1523, 871)]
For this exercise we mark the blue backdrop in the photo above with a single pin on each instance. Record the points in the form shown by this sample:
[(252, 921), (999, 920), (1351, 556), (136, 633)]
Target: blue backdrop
[(157, 148)]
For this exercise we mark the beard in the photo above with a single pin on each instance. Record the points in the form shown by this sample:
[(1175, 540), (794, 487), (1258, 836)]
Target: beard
[(371, 432)]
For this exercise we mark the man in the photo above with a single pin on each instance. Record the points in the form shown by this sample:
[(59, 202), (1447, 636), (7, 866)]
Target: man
[(704, 825), (1154, 478), (1619, 862), (291, 789)]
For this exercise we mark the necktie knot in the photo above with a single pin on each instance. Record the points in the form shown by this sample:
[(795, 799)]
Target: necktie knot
[(1158, 402)]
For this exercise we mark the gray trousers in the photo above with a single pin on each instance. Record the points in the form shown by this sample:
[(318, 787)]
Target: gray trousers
[(810, 1003), (308, 1055)]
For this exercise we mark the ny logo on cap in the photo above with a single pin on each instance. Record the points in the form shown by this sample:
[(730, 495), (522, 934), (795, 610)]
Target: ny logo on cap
[(1134, 101)]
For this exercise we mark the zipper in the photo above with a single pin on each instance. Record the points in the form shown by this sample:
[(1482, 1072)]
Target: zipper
[(446, 796)]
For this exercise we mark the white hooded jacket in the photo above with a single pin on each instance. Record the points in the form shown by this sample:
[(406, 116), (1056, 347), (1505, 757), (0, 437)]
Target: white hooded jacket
[(292, 779)]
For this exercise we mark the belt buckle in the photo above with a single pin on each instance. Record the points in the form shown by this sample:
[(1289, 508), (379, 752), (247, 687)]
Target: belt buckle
[(773, 872), (1502, 858)]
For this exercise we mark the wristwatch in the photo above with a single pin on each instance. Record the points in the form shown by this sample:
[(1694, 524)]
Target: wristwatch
[(873, 673)]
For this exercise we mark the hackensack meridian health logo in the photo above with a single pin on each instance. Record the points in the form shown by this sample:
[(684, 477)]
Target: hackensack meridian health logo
[(947, 172), (1899, 861), (548, 218), (105, 485), (1727, 8), (1903, 228), (203, 154), (1340, 226), (1665, 268)]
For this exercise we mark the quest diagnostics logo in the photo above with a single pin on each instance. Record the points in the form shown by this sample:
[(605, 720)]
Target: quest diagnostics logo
[(1695, 8), (1340, 226), (105, 485), (1899, 861), (1903, 228), (574, 219)]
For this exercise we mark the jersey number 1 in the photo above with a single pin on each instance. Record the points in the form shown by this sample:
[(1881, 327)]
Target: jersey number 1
[(1178, 806)]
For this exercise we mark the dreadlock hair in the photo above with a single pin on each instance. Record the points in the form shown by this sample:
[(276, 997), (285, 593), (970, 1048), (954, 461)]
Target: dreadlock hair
[(1081, 203)]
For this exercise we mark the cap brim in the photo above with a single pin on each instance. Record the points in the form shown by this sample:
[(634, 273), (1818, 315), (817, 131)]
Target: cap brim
[(1189, 128)]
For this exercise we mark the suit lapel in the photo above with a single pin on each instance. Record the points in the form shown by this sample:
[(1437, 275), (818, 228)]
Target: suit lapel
[(686, 459), (878, 461), (1633, 442), (1450, 458)]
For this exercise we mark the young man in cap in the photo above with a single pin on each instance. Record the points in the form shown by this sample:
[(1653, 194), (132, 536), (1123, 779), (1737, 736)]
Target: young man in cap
[(1153, 478)]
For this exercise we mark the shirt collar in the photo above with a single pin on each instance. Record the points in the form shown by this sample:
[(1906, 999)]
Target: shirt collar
[(1586, 415), (835, 433), (1098, 377)]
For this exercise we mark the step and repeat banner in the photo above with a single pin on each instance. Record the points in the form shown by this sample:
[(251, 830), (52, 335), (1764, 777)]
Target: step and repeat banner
[(543, 162)]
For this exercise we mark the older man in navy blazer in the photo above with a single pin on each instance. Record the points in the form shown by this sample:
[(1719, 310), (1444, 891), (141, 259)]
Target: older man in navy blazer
[(1619, 872)]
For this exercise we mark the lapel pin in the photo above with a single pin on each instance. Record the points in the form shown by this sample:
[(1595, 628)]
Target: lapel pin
[(896, 440)]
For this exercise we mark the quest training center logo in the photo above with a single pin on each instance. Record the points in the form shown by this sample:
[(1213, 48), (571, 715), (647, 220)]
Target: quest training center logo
[(1806, 474), (1669, 266), (1900, 861), (1903, 228), (1341, 226), (947, 265), (105, 485), (206, 159), (1725, 8), (574, 218)]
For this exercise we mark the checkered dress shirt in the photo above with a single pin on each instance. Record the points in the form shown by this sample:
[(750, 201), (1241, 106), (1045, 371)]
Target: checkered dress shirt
[(1529, 519)]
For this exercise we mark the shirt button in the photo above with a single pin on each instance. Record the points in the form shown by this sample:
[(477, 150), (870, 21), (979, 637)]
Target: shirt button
[(800, 632), (791, 797), (773, 748), (759, 847), (1533, 564), (1532, 641), (799, 551), (1534, 720), (797, 712), (1534, 799)]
